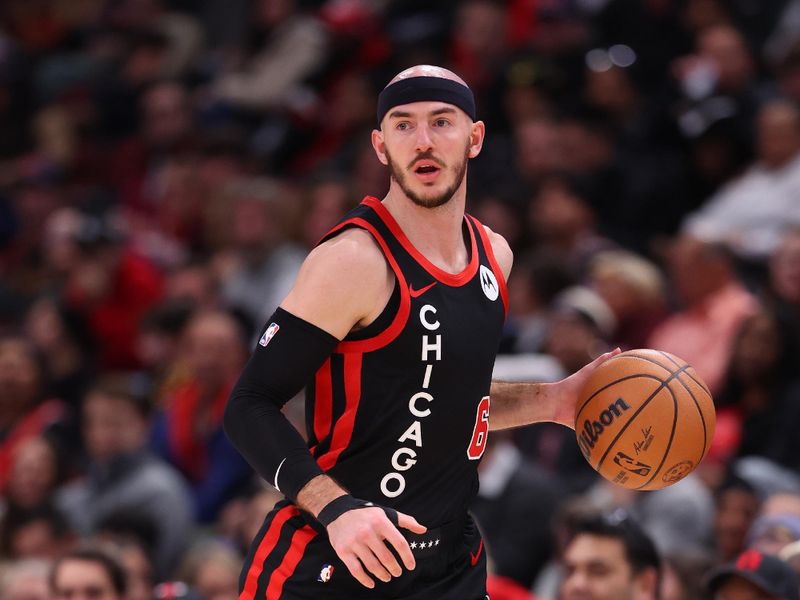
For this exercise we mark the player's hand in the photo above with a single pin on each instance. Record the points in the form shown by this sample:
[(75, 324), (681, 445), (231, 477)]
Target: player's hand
[(568, 389), (360, 539)]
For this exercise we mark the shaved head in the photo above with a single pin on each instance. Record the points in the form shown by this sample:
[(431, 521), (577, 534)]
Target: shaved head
[(427, 71)]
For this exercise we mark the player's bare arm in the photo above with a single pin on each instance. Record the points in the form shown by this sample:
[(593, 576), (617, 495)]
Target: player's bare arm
[(343, 285), (517, 404)]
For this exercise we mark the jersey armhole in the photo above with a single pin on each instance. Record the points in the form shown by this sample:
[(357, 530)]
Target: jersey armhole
[(390, 322)]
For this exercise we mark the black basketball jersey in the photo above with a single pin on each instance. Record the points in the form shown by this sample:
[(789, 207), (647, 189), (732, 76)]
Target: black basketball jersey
[(399, 412)]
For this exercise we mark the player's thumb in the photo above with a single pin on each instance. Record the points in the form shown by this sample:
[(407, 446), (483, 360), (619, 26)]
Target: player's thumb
[(604, 357), (408, 522)]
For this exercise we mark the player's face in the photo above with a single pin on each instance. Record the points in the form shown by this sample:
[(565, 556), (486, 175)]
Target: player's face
[(597, 569), (426, 146)]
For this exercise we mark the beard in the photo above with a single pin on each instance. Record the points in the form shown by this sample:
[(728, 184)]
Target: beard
[(399, 175)]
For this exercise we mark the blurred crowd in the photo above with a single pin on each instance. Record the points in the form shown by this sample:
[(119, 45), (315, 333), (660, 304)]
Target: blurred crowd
[(165, 165)]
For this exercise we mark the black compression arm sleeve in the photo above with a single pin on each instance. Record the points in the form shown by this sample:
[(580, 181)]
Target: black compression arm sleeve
[(287, 356)]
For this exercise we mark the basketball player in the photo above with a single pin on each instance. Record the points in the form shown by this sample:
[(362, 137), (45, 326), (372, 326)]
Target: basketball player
[(393, 325)]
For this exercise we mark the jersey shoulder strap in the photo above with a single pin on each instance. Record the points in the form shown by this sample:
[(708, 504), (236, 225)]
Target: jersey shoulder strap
[(391, 321)]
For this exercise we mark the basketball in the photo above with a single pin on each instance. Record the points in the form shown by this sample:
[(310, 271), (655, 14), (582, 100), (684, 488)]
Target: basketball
[(644, 419)]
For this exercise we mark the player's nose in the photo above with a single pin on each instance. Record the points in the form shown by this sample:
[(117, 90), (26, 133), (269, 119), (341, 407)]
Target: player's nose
[(424, 140)]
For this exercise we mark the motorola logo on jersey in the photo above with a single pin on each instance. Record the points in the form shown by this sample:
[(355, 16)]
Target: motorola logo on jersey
[(489, 284)]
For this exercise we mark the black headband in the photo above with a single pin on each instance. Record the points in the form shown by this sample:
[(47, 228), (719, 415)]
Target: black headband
[(421, 89)]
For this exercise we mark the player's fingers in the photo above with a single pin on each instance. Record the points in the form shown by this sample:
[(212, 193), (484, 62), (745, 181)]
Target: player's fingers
[(399, 543), (386, 558), (603, 358), (408, 522), (371, 563), (356, 570)]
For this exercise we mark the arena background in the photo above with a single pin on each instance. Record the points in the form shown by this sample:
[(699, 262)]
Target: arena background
[(165, 165)]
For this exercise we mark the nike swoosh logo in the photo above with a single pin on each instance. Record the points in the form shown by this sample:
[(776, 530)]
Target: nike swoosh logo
[(417, 293), (473, 558)]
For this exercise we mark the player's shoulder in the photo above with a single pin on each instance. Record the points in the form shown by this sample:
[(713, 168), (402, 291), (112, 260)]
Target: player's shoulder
[(501, 250), (352, 247), (340, 283), (351, 258)]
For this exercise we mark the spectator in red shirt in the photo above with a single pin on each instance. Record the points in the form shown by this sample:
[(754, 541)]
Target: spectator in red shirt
[(113, 288)]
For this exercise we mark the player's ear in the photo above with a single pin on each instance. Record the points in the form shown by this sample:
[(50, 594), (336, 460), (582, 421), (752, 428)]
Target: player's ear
[(476, 135), (379, 146)]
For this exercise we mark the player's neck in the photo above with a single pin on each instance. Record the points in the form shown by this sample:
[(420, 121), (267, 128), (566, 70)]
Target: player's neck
[(436, 232)]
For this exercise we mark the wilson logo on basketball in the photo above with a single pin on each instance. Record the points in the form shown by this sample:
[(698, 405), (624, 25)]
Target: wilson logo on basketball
[(592, 430)]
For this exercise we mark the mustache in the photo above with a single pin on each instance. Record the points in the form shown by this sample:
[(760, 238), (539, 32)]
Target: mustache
[(426, 156)]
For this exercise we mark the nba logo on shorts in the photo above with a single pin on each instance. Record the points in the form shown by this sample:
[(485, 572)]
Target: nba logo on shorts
[(268, 334), (325, 573)]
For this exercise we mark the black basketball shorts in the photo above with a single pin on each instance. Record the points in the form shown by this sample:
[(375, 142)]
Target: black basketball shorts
[(291, 559)]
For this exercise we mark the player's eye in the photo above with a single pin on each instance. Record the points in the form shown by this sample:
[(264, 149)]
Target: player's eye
[(441, 122), (403, 126)]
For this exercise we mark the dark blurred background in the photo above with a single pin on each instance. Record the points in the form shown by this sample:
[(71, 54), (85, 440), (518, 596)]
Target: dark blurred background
[(165, 165)]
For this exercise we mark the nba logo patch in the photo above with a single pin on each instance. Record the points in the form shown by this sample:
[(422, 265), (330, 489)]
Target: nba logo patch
[(268, 334), (325, 573)]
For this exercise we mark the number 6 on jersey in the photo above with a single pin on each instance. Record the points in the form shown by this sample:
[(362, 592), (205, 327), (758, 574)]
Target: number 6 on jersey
[(480, 434)]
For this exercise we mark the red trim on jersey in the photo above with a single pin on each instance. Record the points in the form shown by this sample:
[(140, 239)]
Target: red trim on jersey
[(498, 272), (400, 319), (343, 429), (297, 548), (267, 545), (451, 279), (323, 401)]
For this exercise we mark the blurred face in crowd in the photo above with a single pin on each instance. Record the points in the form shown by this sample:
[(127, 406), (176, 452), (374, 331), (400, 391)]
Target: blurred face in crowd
[(696, 270), (19, 379), (213, 348), (481, 28), (254, 225), (572, 341), (44, 327), (611, 90), (725, 48), (112, 426), (737, 588), (778, 134), (756, 351), (558, 215), (327, 203), (539, 148), (598, 569), (60, 250), (37, 539), (270, 13), (784, 268), (167, 117), (139, 572), (83, 580), (218, 580), (27, 582), (33, 473), (736, 509)]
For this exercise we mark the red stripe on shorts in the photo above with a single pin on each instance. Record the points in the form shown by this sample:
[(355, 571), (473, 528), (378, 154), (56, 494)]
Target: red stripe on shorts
[(297, 549), (266, 546)]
